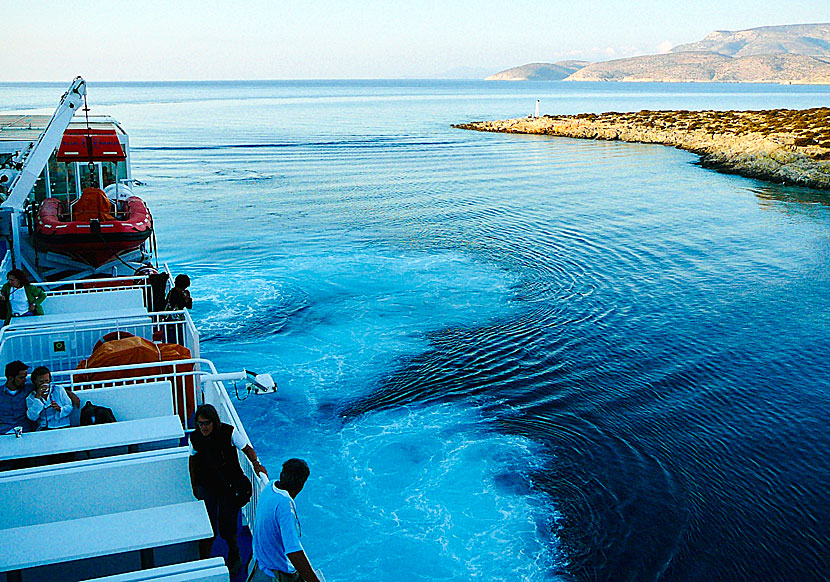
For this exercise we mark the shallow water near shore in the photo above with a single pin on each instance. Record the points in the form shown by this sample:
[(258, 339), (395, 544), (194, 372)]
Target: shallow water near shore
[(504, 356)]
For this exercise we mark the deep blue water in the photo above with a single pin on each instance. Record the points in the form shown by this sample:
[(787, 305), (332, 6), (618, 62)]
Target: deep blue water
[(504, 357)]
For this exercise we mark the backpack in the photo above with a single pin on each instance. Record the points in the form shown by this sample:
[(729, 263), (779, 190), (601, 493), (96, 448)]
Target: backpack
[(93, 414), (241, 489)]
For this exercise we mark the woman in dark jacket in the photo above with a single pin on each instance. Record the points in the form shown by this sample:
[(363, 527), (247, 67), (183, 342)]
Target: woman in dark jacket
[(214, 466)]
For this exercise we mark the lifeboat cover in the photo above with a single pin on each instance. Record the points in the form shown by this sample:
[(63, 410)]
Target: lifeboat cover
[(130, 350), (137, 350), (105, 146)]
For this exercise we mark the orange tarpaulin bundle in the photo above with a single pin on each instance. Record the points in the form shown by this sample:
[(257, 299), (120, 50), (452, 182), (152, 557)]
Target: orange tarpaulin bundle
[(137, 350), (93, 203)]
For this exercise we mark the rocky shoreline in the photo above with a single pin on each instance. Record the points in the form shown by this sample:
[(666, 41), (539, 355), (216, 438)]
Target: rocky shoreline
[(780, 145)]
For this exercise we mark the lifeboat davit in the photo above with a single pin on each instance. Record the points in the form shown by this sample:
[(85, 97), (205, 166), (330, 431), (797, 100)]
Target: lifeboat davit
[(94, 230)]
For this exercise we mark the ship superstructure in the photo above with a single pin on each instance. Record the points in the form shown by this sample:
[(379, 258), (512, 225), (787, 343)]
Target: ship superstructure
[(68, 208), (122, 509)]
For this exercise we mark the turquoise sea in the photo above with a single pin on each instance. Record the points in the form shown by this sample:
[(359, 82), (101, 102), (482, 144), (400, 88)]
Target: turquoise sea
[(504, 357)]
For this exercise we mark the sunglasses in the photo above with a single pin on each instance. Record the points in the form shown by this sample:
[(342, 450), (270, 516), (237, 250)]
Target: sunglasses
[(204, 422)]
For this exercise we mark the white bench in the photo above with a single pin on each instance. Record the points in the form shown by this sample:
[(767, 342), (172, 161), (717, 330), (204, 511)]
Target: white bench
[(209, 570), (68, 320), (45, 544), (133, 401), (102, 516), (90, 438), (95, 301), (94, 487), (115, 304)]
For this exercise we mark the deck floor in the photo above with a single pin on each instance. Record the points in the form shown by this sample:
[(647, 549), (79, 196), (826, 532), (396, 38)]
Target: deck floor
[(243, 538)]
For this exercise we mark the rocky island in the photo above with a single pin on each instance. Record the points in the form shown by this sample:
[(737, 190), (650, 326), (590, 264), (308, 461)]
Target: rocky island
[(789, 54), (780, 145)]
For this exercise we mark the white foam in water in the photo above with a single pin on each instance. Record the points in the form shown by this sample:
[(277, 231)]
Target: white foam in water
[(333, 324), (423, 494)]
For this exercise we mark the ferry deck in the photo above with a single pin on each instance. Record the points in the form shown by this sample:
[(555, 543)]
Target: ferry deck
[(123, 510)]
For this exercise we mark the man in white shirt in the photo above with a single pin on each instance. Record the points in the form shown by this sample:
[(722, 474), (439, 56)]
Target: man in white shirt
[(278, 553)]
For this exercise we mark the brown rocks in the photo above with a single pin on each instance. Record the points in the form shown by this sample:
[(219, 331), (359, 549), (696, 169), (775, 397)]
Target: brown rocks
[(779, 145)]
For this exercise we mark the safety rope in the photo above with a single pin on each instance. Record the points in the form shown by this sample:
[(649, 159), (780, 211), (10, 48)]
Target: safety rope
[(88, 138), (115, 254)]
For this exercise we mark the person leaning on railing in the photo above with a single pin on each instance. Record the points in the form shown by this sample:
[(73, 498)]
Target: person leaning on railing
[(278, 553), (214, 466), (177, 299), (19, 297)]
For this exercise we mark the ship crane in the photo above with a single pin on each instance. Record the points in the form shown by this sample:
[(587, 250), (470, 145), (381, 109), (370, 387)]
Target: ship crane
[(28, 166)]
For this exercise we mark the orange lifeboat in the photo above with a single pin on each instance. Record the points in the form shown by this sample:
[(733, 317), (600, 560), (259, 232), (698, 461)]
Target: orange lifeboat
[(94, 230)]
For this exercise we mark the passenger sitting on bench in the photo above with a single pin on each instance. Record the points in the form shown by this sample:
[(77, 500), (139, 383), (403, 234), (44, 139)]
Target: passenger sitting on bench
[(48, 406), (13, 399)]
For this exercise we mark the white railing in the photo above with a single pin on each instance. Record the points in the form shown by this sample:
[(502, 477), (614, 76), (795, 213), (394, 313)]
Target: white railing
[(64, 345), (192, 336), (76, 339), (215, 393), (184, 375), (79, 286)]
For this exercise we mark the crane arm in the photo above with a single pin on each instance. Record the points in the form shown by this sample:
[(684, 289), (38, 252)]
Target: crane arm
[(49, 140)]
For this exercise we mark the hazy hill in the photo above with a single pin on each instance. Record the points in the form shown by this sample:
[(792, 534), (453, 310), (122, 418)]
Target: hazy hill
[(710, 67), (796, 53), (796, 39), (539, 71)]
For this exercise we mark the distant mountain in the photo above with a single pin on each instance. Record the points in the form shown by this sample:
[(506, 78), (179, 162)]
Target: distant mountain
[(795, 53), (463, 73), (796, 39), (710, 67), (539, 71)]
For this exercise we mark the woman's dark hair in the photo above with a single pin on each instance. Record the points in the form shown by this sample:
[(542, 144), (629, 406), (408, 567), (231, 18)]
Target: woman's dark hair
[(182, 281), (209, 412), (20, 275), (294, 474), (38, 372)]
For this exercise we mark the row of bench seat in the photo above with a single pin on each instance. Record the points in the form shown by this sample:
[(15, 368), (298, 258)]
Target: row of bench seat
[(209, 570), (64, 516), (146, 419), (61, 309), (126, 516)]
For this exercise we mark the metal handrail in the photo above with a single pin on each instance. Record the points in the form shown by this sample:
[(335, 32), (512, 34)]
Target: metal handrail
[(79, 338), (105, 319), (213, 392), (129, 282)]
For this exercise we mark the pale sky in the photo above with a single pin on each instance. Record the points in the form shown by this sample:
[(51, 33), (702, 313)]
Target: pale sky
[(145, 40)]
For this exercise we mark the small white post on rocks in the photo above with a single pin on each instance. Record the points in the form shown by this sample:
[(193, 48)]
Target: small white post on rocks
[(537, 109)]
